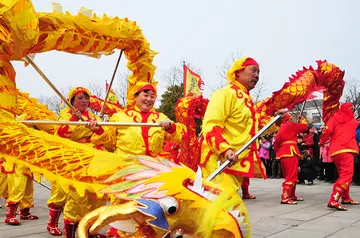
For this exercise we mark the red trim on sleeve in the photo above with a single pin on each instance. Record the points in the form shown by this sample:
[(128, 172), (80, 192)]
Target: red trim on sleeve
[(74, 118), (172, 129), (63, 131), (99, 131), (216, 132)]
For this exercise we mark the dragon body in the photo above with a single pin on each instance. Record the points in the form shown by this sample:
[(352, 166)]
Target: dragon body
[(135, 185), (152, 196)]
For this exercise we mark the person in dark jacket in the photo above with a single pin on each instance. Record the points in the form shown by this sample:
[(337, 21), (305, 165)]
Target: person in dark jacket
[(307, 170)]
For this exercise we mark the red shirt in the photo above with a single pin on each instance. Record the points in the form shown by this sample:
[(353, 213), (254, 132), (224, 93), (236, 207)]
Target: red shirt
[(342, 136), (286, 139)]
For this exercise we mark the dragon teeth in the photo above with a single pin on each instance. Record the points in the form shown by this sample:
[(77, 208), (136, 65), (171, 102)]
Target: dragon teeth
[(243, 226), (235, 213)]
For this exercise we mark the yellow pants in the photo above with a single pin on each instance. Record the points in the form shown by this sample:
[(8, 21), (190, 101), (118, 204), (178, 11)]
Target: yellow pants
[(20, 188), (211, 166), (75, 207), (236, 181), (3, 186)]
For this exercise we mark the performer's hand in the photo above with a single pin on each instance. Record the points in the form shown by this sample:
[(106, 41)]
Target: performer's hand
[(299, 169), (77, 113), (92, 125), (230, 155), (166, 125), (281, 111)]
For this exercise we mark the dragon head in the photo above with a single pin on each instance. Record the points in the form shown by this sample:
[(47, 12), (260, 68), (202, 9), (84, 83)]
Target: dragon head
[(177, 201)]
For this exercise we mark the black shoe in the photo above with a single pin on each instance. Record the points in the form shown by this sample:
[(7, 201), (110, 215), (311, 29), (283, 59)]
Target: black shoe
[(310, 183)]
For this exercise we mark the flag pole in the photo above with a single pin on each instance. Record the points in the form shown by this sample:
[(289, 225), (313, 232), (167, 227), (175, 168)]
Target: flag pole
[(110, 85), (50, 84), (184, 80), (302, 110)]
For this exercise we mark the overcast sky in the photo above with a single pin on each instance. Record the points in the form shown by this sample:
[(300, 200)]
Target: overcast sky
[(282, 35)]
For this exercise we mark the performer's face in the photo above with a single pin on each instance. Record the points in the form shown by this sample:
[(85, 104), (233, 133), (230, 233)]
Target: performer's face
[(81, 102), (248, 76), (145, 100)]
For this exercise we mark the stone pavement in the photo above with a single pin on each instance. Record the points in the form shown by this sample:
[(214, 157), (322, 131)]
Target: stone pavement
[(310, 218)]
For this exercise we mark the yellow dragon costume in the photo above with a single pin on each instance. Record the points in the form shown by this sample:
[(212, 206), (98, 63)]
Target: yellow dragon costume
[(158, 198), (23, 32)]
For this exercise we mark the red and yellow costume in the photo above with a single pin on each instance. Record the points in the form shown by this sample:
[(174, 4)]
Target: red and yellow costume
[(19, 183), (139, 140), (340, 130), (230, 121), (288, 153), (3, 185), (74, 206)]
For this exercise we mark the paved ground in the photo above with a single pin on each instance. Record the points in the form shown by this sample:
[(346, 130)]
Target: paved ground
[(310, 218)]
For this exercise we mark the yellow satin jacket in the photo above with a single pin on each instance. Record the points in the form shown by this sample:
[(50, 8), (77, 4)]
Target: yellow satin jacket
[(230, 121), (80, 134), (139, 140)]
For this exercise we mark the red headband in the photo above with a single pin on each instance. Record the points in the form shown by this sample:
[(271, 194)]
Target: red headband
[(250, 61), (146, 87)]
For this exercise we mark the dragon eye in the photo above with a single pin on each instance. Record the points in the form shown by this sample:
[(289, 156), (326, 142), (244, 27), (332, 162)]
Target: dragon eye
[(169, 204)]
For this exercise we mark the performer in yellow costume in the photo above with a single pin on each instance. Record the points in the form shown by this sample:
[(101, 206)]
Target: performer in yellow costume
[(141, 140), (18, 181), (3, 185), (230, 121), (75, 207)]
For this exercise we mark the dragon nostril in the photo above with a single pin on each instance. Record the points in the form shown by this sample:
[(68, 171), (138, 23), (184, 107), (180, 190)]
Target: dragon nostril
[(179, 236)]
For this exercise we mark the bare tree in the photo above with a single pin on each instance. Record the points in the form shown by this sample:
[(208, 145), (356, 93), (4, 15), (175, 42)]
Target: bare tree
[(52, 102), (121, 90), (97, 90), (175, 75), (257, 93), (352, 93)]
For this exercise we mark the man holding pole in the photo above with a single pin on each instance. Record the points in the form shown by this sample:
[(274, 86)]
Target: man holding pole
[(230, 121)]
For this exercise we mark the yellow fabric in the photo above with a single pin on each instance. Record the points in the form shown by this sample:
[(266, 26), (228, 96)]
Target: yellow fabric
[(21, 189), (57, 196), (54, 157), (30, 109), (76, 207), (235, 181), (238, 65), (7, 87), (19, 28), (231, 110), (3, 186), (129, 140), (77, 133)]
